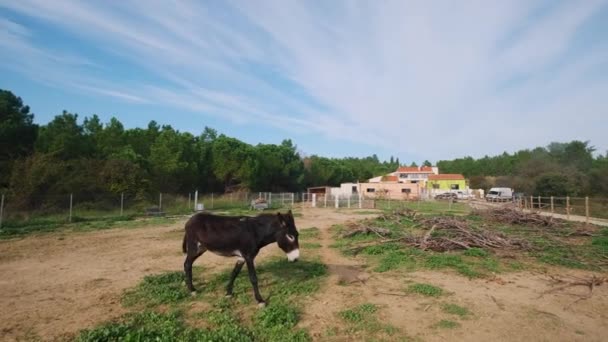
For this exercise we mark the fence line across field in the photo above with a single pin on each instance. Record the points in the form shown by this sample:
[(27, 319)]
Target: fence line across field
[(566, 205)]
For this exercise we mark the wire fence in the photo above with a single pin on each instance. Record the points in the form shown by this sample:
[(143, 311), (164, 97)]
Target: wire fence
[(590, 207), (66, 208)]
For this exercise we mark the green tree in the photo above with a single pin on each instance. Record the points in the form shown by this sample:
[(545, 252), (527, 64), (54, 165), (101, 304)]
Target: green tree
[(64, 138), (17, 133)]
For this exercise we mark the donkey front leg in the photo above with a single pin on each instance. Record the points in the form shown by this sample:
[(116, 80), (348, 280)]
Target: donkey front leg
[(235, 273), (254, 282)]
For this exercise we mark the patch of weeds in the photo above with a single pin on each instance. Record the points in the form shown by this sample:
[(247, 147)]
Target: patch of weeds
[(491, 265), (165, 288), (476, 252), (454, 309), (438, 261), (358, 313), (395, 259), (425, 290), (309, 233), (601, 241), (561, 256), (446, 324), (363, 318), (153, 326), (310, 245), (276, 323), (516, 265), (381, 249), (366, 212)]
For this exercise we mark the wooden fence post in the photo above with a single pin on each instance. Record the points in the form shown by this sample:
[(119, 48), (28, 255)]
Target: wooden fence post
[(122, 201), (70, 218), (325, 200), (160, 201), (552, 208), (586, 210), (568, 206), (314, 200), (531, 202), (1, 209), (539, 203)]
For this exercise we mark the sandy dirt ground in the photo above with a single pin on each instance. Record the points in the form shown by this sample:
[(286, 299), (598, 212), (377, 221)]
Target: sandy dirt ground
[(53, 285)]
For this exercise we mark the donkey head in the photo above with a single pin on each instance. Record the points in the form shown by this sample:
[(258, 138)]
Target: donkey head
[(287, 236)]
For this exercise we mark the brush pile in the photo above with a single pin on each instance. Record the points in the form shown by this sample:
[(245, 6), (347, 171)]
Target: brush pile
[(519, 217), (452, 233), (362, 228), (398, 214)]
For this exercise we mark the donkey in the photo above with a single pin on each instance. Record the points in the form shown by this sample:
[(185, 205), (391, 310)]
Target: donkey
[(239, 236)]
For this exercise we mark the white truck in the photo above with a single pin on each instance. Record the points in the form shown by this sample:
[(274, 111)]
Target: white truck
[(499, 195)]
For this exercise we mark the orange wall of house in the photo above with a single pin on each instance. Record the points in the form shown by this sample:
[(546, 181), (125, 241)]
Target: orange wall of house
[(393, 190)]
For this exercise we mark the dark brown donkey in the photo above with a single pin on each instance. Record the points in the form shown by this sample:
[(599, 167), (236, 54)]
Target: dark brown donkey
[(241, 237)]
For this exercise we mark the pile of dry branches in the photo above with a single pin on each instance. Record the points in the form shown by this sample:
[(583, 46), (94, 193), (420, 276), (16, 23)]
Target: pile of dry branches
[(451, 233), (397, 214), (519, 217), (361, 228)]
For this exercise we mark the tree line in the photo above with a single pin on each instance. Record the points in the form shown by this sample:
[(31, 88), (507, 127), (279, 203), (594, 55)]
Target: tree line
[(558, 169), (40, 164), (91, 159)]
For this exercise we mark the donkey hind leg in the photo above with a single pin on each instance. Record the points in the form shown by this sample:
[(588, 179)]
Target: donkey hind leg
[(193, 252), (235, 272), (254, 282)]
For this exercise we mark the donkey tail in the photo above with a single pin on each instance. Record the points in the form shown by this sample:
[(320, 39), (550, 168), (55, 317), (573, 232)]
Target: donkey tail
[(184, 243)]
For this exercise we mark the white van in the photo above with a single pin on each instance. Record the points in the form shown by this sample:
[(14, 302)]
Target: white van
[(499, 195)]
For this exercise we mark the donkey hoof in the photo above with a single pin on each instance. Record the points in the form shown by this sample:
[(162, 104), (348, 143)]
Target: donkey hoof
[(193, 293), (228, 295), (261, 304)]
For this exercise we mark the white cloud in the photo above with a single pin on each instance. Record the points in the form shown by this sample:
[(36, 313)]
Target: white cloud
[(424, 79)]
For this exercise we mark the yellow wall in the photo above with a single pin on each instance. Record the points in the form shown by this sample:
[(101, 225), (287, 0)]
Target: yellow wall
[(446, 184)]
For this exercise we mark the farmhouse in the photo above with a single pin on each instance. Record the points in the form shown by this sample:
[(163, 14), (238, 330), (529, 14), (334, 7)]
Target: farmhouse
[(446, 182)]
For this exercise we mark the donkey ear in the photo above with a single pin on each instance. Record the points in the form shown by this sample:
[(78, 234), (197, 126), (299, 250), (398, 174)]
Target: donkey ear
[(282, 220)]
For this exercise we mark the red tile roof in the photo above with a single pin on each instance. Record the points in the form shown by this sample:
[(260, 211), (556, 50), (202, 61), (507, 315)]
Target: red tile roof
[(389, 178), (446, 176), (415, 169)]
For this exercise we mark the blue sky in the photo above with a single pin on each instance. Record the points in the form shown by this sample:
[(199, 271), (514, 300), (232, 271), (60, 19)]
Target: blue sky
[(413, 79)]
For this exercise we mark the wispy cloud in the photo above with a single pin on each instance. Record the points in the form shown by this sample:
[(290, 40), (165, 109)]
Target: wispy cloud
[(428, 80)]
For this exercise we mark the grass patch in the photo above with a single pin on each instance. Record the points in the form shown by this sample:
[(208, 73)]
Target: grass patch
[(165, 288), (153, 326), (309, 233), (425, 290), (310, 245), (359, 313), (453, 261), (13, 229), (446, 324), (454, 309), (362, 318), (476, 252), (282, 283)]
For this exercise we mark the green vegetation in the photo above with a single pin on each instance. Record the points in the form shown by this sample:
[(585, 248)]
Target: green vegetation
[(166, 288), (309, 233), (559, 169), (362, 318), (454, 309), (446, 324), (310, 245), (425, 290), (228, 319), (14, 228)]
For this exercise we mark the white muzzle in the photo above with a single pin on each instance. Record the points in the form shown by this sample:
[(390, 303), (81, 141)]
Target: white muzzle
[(293, 255)]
